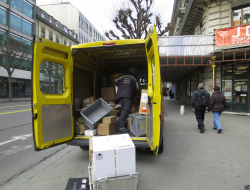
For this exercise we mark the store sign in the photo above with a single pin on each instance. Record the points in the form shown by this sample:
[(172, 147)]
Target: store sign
[(233, 36)]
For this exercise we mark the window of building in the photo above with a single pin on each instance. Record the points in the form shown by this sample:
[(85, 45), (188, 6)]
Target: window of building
[(75, 36), (42, 32), (3, 86), (51, 78), (70, 32), (27, 46), (27, 9), (57, 39), (65, 29), (57, 24), (70, 44), (50, 20), (50, 36), (17, 42), (17, 4), (15, 22), (2, 37), (27, 27), (65, 42), (3, 15), (241, 16), (43, 15)]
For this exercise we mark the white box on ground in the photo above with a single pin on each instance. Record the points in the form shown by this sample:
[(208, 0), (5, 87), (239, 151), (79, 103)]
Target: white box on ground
[(90, 132), (113, 155)]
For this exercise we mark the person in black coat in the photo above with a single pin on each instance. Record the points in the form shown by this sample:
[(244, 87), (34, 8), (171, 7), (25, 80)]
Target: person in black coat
[(217, 105)]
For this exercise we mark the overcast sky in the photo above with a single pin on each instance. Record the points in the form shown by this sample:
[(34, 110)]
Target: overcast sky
[(99, 12)]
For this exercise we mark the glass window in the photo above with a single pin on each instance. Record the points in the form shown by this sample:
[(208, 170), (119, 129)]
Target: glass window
[(17, 42), (20, 87), (43, 15), (50, 19), (246, 15), (6, 1), (28, 87), (3, 87), (2, 37), (65, 30), (237, 17), (51, 78), (17, 4), (15, 22), (27, 46), (27, 28), (3, 16), (240, 89), (27, 9), (57, 24), (227, 70), (227, 90)]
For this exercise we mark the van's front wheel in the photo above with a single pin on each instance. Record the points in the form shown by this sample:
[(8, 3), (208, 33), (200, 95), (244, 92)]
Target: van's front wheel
[(84, 147), (161, 148)]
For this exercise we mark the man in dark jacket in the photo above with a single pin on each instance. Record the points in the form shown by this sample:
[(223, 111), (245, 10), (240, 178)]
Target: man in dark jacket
[(199, 108), (127, 87), (217, 104)]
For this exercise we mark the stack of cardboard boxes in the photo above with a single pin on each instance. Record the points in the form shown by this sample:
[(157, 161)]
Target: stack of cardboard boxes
[(108, 126), (108, 94)]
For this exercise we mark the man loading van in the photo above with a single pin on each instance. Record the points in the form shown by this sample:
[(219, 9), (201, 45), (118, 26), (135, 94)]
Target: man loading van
[(128, 86)]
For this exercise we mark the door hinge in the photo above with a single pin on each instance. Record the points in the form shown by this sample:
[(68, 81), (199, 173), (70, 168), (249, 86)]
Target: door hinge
[(35, 116)]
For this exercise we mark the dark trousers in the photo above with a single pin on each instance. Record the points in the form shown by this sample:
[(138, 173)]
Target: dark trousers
[(200, 115), (125, 108)]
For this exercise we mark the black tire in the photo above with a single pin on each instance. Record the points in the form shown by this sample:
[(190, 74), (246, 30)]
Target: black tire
[(161, 148), (84, 147)]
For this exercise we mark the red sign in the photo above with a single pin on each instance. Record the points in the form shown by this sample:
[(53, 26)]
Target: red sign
[(233, 36)]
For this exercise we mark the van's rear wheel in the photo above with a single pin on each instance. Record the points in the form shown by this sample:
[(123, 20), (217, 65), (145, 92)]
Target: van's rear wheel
[(84, 147), (161, 148)]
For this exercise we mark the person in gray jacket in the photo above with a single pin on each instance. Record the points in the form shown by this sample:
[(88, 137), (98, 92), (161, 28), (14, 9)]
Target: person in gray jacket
[(217, 104), (200, 101)]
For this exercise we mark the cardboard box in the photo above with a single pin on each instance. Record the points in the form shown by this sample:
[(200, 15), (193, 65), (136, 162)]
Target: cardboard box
[(109, 119), (106, 129), (108, 93), (90, 150), (90, 132), (113, 155), (111, 103), (143, 102), (115, 112), (81, 129), (128, 124), (88, 101)]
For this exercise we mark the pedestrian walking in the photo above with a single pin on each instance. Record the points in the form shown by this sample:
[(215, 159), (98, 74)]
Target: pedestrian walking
[(217, 105), (200, 101)]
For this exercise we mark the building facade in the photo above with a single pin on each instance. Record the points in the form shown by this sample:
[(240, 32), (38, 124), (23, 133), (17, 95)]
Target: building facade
[(72, 18), (17, 20), (231, 62), (97, 36)]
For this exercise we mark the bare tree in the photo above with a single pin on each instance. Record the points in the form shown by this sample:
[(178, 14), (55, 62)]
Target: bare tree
[(11, 58), (133, 20)]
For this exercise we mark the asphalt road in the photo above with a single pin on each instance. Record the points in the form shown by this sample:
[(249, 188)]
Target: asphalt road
[(17, 152)]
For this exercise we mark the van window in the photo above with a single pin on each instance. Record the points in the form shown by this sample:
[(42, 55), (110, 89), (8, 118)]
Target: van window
[(51, 78), (153, 70)]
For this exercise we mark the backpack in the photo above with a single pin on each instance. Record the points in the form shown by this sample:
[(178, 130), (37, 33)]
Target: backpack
[(203, 99)]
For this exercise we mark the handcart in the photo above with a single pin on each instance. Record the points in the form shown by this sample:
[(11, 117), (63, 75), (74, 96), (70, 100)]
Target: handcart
[(121, 182)]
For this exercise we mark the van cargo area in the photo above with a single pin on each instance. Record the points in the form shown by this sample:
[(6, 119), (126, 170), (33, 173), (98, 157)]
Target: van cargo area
[(96, 68)]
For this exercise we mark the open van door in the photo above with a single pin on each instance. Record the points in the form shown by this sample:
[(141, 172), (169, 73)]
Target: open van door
[(154, 91), (52, 94)]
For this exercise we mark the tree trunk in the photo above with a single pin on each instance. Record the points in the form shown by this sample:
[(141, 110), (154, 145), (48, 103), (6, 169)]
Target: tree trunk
[(10, 88)]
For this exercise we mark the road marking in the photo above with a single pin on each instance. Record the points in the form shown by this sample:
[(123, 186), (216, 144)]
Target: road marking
[(14, 112), (15, 149), (15, 106), (22, 137)]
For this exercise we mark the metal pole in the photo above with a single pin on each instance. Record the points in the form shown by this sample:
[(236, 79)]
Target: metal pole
[(213, 74)]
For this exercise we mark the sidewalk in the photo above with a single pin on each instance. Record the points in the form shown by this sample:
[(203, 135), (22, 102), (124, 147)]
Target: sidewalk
[(15, 100), (190, 161)]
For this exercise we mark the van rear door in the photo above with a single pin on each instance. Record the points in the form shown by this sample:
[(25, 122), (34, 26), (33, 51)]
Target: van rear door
[(52, 92), (154, 91)]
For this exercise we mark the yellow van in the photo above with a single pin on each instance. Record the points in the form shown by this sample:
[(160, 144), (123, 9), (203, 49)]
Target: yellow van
[(61, 74)]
